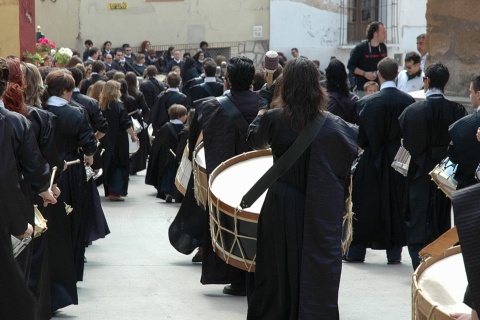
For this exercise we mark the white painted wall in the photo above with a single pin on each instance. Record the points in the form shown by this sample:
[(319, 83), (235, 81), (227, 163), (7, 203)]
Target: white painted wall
[(316, 32)]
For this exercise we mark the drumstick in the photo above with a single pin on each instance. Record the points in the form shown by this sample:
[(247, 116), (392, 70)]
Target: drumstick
[(271, 64), (133, 112), (52, 178), (69, 163), (171, 151)]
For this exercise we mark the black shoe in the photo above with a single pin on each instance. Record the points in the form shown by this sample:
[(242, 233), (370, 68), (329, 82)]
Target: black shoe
[(198, 257), (394, 261), (347, 259), (168, 198), (234, 291)]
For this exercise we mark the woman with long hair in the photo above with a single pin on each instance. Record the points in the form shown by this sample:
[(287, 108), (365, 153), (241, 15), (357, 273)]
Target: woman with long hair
[(138, 161), (144, 47), (341, 101), (66, 231), (95, 90), (115, 142), (44, 125), (298, 257), (189, 70)]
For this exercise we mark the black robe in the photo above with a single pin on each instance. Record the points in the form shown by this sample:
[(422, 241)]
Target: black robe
[(17, 302), (377, 188), (343, 106), (223, 140), (159, 112), (150, 88), (298, 261), (163, 165), (424, 129), (44, 126), (465, 149), (116, 156), (65, 243), (138, 161)]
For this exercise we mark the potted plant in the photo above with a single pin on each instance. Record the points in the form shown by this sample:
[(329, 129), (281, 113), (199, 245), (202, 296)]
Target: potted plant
[(34, 58), (62, 57), (44, 46)]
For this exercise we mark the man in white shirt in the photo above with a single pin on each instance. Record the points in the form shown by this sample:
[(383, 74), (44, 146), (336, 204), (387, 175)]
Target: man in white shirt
[(411, 79), (422, 48)]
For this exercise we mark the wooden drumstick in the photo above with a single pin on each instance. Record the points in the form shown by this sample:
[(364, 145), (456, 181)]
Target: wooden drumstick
[(52, 178), (69, 163), (271, 64), (171, 151)]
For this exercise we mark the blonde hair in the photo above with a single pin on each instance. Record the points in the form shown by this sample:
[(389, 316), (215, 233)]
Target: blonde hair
[(110, 93), (176, 111), (95, 90), (34, 88)]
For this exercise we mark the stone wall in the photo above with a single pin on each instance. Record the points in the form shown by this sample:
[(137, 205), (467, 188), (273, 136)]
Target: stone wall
[(254, 50), (453, 38)]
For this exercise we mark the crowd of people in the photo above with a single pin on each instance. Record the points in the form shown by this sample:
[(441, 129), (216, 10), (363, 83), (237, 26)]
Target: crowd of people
[(90, 109)]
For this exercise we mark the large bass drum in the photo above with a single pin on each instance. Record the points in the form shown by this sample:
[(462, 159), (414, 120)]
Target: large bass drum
[(438, 287), (200, 176), (233, 230)]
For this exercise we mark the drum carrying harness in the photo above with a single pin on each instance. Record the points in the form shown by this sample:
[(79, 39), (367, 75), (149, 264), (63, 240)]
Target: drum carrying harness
[(284, 162)]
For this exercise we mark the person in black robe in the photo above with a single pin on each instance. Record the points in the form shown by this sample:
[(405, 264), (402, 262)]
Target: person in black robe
[(163, 156), (96, 226), (298, 258), (17, 301), (151, 88), (159, 111), (464, 148), (44, 126), (210, 86), (377, 188), (66, 245), (424, 129), (138, 161), (222, 140), (33, 170), (115, 142), (341, 101)]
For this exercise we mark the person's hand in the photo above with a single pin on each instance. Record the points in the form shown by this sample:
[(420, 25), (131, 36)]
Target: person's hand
[(48, 197), (478, 134), (370, 76), (88, 160), (56, 191), (134, 138), (461, 316), (28, 232)]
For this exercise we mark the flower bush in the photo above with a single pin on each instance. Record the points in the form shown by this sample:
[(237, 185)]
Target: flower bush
[(44, 45), (35, 57), (63, 55)]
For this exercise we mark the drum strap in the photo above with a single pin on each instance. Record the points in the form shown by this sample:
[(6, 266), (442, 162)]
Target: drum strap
[(233, 112), (172, 130), (207, 88), (283, 163)]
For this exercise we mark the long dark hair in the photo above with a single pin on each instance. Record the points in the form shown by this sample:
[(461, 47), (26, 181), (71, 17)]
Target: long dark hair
[(131, 80), (301, 96), (13, 96), (337, 79)]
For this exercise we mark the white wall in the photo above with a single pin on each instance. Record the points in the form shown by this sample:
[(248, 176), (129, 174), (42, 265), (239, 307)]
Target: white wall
[(315, 31)]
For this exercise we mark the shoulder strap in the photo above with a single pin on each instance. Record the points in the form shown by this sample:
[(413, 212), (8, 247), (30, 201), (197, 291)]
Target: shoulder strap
[(172, 130), (233, 112), (207, 88), (132, 68), (283, 163)]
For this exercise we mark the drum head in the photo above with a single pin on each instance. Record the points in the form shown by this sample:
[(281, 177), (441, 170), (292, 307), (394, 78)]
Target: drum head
[(200, 155), (133, 146)]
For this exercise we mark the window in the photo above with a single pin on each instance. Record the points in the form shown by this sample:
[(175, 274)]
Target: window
[(357, 14)]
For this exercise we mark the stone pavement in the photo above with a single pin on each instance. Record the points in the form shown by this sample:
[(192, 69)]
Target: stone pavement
[(134, 273)]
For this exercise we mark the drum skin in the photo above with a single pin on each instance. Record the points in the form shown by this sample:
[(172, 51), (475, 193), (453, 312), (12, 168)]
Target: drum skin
[(200, 175), (183, 172), (423, 306), (234, 231)]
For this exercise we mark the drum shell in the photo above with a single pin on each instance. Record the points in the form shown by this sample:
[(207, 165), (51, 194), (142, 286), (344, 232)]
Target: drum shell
[(443, 176), (422, 307), (234, 232), (201, 177)]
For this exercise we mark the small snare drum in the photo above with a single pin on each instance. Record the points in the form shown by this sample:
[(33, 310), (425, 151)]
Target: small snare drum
[(443, 175), (401, 161), (40, 223), (183, 173)]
